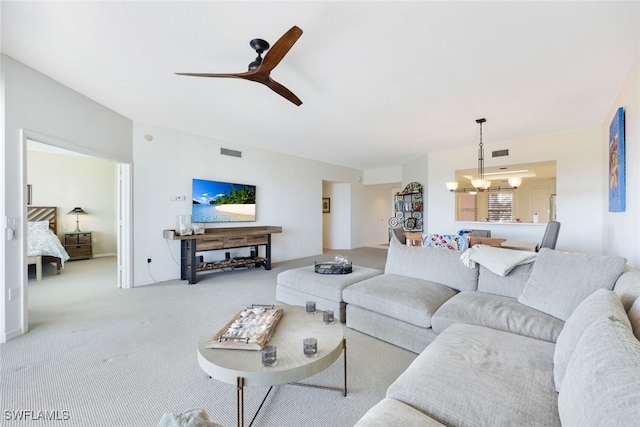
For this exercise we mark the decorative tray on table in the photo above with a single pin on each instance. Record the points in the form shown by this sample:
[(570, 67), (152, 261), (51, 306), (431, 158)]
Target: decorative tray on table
[(250, 329)]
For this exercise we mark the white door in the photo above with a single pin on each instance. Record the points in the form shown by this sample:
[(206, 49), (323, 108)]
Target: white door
[(541, 203)]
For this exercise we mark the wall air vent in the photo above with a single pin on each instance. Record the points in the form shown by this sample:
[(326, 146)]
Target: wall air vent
[(500, 153), (232, 153)]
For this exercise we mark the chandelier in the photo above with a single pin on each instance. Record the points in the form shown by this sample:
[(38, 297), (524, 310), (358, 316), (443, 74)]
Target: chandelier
[(480, 183)]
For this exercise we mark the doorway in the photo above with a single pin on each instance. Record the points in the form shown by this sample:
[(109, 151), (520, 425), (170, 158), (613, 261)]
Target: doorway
[(121, 219)]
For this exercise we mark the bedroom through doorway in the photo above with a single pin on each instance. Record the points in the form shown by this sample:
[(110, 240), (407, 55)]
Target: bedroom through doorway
[(58, 176)]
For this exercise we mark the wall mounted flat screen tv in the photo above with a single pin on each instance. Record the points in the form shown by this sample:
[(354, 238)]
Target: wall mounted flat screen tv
[(215, 201)]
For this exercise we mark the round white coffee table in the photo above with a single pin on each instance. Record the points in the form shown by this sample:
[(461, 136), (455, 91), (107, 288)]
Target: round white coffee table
[(244, 367)]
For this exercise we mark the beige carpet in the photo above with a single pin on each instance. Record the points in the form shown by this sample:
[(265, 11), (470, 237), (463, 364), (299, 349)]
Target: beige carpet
[(99, 356)]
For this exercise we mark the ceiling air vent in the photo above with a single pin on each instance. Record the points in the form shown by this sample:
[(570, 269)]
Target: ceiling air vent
[(500, 153), (232, 153)]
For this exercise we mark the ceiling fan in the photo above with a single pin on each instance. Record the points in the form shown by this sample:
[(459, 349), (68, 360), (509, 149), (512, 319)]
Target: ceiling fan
[(260, 69)]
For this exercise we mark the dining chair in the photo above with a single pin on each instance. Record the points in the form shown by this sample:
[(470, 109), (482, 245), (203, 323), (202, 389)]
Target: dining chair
[(397, 234), (550, 235)]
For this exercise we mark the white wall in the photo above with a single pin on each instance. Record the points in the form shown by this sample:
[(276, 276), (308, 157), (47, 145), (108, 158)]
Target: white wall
[(35, 103), (340, 230), (374, 222), (621, 232), (579, 187), (67, 181), (289, 194), (382, 176), (366, 212)]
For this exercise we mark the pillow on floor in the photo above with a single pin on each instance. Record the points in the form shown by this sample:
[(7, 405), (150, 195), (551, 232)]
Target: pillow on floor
[(561, 280), (190, 418)]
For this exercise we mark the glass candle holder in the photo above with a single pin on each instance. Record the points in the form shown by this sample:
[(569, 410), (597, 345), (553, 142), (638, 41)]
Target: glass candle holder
[(311, 307), (327, 317), (269, 355), (310, 347)]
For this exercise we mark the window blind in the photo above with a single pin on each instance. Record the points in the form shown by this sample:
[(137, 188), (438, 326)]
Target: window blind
[(500, 206)]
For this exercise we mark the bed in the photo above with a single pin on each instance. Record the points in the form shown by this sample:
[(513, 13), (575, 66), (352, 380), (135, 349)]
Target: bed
[(43, 236)]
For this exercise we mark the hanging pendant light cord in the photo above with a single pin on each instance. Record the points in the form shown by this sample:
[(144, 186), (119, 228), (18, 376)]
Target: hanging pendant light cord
[(481, 152)]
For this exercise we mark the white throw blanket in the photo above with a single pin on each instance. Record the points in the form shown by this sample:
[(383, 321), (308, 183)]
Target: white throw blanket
[(497, 260)]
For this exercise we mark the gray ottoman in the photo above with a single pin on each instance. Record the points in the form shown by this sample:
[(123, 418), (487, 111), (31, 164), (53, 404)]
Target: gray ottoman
[(299, 285)]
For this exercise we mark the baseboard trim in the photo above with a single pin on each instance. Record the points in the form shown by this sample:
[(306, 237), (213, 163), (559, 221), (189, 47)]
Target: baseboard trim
[(11, 335), (104, 255)]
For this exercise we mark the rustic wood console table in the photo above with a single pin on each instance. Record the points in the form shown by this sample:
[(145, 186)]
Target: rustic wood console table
[(223, 238)]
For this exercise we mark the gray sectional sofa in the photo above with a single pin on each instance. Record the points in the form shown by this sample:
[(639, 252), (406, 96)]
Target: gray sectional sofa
[(552, 342)]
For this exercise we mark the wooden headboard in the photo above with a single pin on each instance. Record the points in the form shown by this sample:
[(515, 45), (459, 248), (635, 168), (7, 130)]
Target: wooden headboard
[(44, 213)]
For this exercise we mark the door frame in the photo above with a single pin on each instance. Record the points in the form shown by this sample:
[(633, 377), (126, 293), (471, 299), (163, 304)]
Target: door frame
[(124, 214)]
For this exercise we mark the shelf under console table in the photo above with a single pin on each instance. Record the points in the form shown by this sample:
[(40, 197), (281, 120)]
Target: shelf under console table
[(223, 238)]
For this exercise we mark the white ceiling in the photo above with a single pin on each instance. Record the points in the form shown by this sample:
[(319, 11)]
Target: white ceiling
[(381, 82)]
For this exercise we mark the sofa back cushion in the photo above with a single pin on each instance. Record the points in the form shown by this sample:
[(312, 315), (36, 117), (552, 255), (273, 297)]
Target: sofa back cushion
[(634, 317), (600, 387), (559, 281), (510, 285), (628, 287), (434, 264), (599, 305)]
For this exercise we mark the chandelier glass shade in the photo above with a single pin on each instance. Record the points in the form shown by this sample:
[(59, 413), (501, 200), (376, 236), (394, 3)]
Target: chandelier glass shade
[(515, 181), (452, 186)]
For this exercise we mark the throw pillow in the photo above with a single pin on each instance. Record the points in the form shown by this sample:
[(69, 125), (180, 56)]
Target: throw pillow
[(602, 303), (561, 280), (600, 387)]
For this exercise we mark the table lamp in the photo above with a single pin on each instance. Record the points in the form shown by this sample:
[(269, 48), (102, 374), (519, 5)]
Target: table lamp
[(77, 212)]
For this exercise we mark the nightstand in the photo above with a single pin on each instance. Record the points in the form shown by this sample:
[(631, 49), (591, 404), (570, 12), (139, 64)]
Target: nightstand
[(79, 245)]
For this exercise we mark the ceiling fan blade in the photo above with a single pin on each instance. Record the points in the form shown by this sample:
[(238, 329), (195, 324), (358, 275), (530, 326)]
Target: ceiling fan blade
[(282, 91), (279, 49), (235, 75)]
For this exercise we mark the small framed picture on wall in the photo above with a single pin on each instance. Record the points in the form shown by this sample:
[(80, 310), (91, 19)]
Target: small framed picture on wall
[(326, 205)]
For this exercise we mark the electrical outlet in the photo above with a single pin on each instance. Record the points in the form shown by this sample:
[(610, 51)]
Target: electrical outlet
[(14, 293), (181, 198), (149, 259)]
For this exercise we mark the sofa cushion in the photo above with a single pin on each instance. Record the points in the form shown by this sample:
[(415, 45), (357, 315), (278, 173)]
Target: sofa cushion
[(498, 312), (404, 298), (510, 285), (600, 387), (434, 264), (476, 376), (628, 287), (397, 332), (328, 286), (634, 317), (390, 412), (561, 280), (602, 303)]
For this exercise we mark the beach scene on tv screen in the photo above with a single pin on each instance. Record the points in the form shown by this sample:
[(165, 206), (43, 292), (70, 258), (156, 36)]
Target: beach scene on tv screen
[(215, 201)]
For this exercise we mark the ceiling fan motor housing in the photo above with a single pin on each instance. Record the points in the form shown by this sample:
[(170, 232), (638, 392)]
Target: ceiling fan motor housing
[(259, 46)]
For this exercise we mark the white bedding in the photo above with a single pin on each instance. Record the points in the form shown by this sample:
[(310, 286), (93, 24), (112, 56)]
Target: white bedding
[(42, 239)]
